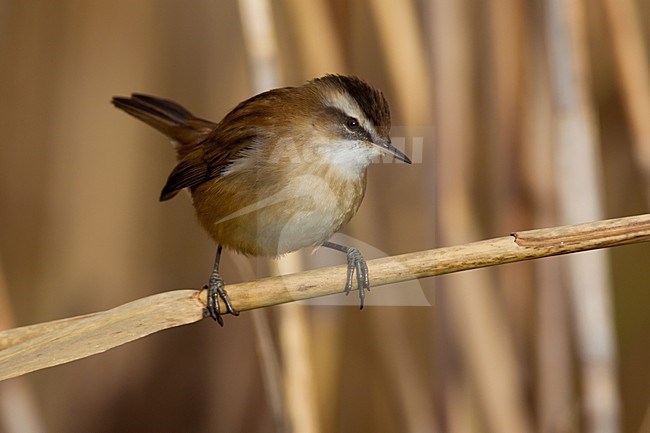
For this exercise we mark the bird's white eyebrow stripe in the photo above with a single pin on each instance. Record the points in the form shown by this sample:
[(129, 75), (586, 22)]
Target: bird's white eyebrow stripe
[(348, 106), (338, 100)]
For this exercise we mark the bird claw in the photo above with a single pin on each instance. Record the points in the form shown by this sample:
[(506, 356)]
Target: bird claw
[(357, 263), (216, 290)]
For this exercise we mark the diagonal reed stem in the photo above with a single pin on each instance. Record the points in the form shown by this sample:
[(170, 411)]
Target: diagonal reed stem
[(34, 347)]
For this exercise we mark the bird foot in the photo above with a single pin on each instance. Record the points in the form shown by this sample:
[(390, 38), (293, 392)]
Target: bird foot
[(357, 264), (216, 290)]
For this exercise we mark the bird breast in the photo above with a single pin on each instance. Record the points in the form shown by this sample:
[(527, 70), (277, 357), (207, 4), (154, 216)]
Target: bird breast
[(277, 209)]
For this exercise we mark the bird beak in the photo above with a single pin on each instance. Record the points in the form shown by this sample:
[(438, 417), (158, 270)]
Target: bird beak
[(388, 148)]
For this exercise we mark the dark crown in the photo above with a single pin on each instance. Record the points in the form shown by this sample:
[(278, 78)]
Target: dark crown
[(371, 101)]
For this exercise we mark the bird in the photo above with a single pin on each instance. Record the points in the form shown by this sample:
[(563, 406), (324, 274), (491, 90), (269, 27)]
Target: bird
[(283, 170)]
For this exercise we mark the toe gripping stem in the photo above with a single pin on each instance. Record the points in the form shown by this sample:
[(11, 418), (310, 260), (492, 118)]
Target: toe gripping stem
[(216, 290), (356, 264)]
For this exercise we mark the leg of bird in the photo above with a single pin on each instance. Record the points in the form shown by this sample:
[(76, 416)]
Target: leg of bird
[(216, 290), (355, 262)]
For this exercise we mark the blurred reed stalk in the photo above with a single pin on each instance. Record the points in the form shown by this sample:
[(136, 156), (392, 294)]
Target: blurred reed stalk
[(553, 367), (318, 48), (297, 387), (478, 334), (313, 33), (579, 182), (405, 56), (631, 62), (401, 38)]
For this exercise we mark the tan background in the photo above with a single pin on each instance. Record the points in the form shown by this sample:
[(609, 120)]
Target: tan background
[(81, 229)]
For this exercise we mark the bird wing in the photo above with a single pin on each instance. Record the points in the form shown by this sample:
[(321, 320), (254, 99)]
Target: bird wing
[(246, 126), (209, 159)]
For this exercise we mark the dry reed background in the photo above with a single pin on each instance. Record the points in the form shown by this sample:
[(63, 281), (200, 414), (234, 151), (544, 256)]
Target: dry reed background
[(501, 91)]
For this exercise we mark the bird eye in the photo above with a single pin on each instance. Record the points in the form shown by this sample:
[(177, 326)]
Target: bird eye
[(352, 124)]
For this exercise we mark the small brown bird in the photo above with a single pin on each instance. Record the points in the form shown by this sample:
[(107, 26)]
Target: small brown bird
[(283, 170)]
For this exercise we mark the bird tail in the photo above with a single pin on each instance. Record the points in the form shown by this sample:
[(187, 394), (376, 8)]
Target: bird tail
[(167, 117)]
